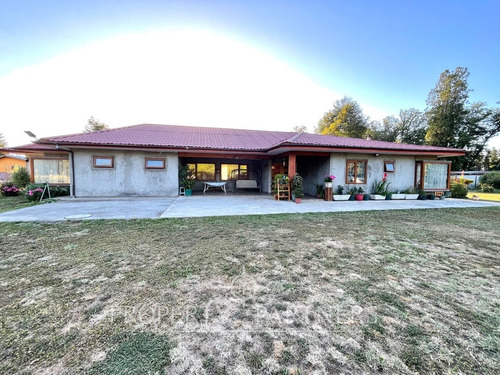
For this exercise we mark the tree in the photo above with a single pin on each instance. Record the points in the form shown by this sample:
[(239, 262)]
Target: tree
[(409, 127), (300, 128), (493, 163), (345, 119), (3, 142), (94, 125), (453, 122)]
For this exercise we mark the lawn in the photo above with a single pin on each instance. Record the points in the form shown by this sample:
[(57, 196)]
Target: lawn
[(361, 292), (14, 203), (485, 196)]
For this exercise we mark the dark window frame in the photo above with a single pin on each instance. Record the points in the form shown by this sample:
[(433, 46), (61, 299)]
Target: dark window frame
[(355, 161), (239, 171), (154, 159), (94, 157), (393, 162)]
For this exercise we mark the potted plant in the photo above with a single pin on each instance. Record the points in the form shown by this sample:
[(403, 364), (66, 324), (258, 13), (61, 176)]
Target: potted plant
[(380, 189), (329, 180), (431, 196), (187, 179), (297, 184), (359, 194), (320, 193), (366, 197), (299, 194), (352, 193), (398, 195), (340, 196), (411, 193)]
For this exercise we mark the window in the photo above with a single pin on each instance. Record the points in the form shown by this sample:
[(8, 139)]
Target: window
[(355, 172), (104, 161), (53, 171), (155, 163), (203, 171), (433, 175), (389, 166), (234, 172)]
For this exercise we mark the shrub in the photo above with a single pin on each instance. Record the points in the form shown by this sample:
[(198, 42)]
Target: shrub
[(9, 190), (20, 177), (458, 190), (485, 188), (33, 192), (59, 191), (491, 178)]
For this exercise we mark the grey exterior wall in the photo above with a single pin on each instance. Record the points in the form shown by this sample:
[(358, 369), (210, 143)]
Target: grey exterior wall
[(266, 176), (129, 177), (313, 169), (403, 178)]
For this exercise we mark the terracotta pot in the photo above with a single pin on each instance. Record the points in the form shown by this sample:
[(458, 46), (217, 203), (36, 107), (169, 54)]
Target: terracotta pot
[(298, 200)]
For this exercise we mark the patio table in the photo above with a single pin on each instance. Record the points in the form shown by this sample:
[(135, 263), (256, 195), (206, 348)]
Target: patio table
[(207, 185)]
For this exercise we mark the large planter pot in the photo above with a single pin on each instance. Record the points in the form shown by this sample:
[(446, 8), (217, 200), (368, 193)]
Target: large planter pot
[(328, 185), (366, 197), (422, 197), (341, 197), (388, 197), (351, 197), (411, 196), (398, 196), (189, 192), (377, 197), (431, 197), (298, 200), (442, 197), (359, 197)]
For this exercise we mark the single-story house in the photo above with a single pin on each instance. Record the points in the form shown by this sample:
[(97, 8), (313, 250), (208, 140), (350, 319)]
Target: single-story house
[(8, 163), (143, 160)]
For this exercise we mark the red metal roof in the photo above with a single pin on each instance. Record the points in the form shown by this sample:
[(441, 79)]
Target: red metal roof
[(190, 137)]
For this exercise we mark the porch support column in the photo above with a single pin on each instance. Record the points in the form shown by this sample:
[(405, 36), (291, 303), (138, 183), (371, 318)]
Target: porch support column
[(292, 165)]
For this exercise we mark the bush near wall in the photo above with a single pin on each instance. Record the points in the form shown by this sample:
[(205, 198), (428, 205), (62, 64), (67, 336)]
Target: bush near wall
[(34, 191), (491, 178), (9, 190), (20, 177), (458, 190)]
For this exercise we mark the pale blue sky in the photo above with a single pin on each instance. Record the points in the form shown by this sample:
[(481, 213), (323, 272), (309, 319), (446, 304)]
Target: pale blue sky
[(385, 54)]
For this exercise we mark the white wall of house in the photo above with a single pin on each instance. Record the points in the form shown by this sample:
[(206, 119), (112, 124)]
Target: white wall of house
[(129, 177), (403, 178)]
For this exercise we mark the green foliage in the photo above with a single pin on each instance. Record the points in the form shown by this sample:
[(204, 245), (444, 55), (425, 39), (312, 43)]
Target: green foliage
[(409, 127), (453, 122), (20, 177), (186, 177), (340, 190), (380, 187), (346, 119), (458, 190), (94, 125), (485, 188), (319, 190), (491, 178), (33, 192), (136, 353), (492, 160), (297, 186)]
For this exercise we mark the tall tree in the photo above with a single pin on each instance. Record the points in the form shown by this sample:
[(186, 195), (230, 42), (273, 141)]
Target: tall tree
[(345, 119), (453, 122), (409, 127), (94, 125), (493, 160), (300, 128)]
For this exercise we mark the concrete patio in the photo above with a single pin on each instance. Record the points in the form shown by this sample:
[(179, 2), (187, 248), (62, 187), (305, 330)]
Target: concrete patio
[(210, 205)]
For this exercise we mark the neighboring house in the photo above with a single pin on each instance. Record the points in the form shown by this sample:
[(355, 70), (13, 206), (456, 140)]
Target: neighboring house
[(144, 160), (9, 162)]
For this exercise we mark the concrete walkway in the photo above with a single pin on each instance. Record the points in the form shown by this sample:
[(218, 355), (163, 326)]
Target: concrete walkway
[(210, 205)]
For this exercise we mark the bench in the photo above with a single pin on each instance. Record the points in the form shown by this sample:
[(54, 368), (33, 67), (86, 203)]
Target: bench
[(247, 184)]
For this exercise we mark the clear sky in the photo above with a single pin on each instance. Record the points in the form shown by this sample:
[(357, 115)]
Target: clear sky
[(242, 64)]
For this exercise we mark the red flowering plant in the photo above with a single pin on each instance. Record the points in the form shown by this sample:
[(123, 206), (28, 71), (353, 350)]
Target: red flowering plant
[(329, 178), (9, 190)]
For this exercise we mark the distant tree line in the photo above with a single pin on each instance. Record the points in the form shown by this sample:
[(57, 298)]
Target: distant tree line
[(449, 120)]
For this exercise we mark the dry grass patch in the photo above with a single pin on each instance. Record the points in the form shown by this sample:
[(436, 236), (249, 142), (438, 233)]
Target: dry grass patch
[(396, 291)]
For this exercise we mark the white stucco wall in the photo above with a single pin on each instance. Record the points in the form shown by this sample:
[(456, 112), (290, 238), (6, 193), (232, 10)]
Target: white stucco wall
[(128, 177), (403, 178)]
